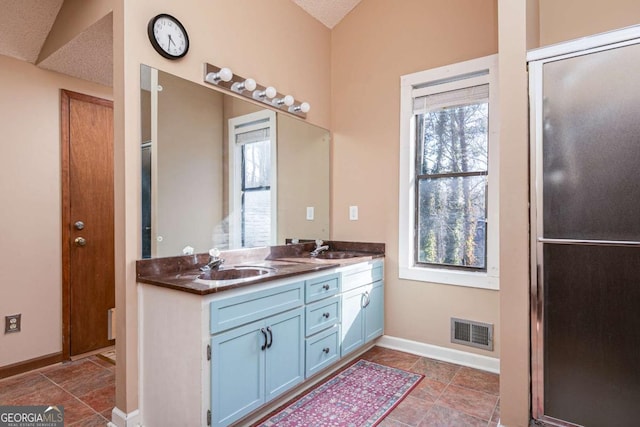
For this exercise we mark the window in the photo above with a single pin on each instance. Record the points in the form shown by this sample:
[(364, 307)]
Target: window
[(449, 175), (252, 185)]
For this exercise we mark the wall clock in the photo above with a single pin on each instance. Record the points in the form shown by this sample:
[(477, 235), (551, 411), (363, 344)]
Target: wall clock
[(168, 36)]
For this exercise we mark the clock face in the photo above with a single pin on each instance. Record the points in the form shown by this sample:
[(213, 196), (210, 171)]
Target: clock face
[(168, 36)]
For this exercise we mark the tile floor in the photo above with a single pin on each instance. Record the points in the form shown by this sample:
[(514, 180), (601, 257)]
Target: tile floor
[(85, 387), (448, 396)]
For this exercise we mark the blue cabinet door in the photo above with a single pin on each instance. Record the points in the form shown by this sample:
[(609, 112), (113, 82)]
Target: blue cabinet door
[(237, 373), (374, 312), (352, 320), (252, 364), (285, 352)]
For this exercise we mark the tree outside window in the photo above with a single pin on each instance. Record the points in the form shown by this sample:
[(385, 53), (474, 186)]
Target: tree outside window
[(451, 191)]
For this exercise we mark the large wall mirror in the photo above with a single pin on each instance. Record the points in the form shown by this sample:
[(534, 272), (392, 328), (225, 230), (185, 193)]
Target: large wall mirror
[(220, 171)]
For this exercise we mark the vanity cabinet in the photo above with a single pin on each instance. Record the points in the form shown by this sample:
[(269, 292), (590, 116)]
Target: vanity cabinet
[(213, 359), (362, 305)]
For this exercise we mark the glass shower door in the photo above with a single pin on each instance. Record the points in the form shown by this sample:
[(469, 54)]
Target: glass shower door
[(586, 230)]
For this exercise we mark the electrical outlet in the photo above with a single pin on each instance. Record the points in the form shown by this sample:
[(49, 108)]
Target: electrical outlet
[(353, 213), (310, 213), (12, 323)]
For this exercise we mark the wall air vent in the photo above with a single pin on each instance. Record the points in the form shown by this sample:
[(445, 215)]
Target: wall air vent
[(474, 334)]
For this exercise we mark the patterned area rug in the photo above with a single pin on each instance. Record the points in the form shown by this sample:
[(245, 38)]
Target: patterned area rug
[(361, 395)]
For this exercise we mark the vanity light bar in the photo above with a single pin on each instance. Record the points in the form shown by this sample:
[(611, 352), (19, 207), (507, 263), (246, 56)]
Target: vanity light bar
[(225, 79)]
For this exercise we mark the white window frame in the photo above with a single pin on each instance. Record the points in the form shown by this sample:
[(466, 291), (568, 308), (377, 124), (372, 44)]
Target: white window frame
[(451, 77), (248, 122)]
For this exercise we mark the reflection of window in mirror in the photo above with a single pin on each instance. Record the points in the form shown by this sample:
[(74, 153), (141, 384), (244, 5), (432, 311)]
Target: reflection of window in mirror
[(252, 184)]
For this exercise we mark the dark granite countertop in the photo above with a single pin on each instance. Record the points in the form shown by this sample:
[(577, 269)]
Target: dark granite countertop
[(182, 272)]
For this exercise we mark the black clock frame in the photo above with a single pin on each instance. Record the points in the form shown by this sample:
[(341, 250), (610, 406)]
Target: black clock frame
[(154, 42)]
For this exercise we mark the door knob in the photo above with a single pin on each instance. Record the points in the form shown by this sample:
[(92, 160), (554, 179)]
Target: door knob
[(79, 225), (80, 241)]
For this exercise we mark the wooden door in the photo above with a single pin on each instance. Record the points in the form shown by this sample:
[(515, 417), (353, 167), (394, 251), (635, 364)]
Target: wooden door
[(87, 222)]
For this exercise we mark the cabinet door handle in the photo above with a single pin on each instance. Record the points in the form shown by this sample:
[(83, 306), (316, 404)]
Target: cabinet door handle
[(264, 333), (326, 315), (325, 286), (367, 300), (270, 336), (326, 350)]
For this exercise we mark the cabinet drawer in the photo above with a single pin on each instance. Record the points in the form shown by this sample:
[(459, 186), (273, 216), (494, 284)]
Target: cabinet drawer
[(322, 315), (353, 279), (322, 350), (241, 309), (322, 287)]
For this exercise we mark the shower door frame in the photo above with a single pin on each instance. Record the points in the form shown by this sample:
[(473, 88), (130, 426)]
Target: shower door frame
[(535, 61)]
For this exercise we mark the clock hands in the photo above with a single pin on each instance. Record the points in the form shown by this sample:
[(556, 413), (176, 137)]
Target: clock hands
[(171, 40)]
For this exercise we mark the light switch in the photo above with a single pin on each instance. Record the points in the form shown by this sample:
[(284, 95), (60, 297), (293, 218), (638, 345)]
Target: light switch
[(353, 213), (310, 213)]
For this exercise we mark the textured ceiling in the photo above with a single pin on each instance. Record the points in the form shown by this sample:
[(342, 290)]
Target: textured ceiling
[(24, 26), (329, 12), (88, 56)]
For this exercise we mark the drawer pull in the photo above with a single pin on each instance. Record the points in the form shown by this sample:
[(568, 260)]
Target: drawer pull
[(325, 286), (326, 350), (326, 315)]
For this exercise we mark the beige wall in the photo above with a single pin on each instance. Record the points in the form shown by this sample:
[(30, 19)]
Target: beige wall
[(274, 42), (30, 267), (377, 43), (562, 20)]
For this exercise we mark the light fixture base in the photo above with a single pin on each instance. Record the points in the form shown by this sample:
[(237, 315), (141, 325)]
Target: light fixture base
[(228, 86)]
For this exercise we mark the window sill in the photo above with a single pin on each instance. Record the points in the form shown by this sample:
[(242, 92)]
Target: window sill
[(450, 277)]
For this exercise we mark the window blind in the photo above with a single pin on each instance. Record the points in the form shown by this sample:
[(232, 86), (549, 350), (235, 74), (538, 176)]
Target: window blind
[(458, 97), (252, 136)]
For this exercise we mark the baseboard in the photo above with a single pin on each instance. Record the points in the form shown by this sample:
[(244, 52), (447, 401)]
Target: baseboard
[(121, 419), (472, 360), (30, 365)]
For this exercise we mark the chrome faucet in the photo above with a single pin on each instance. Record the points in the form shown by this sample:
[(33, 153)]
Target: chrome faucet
[(214, 260), (319, 248)]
